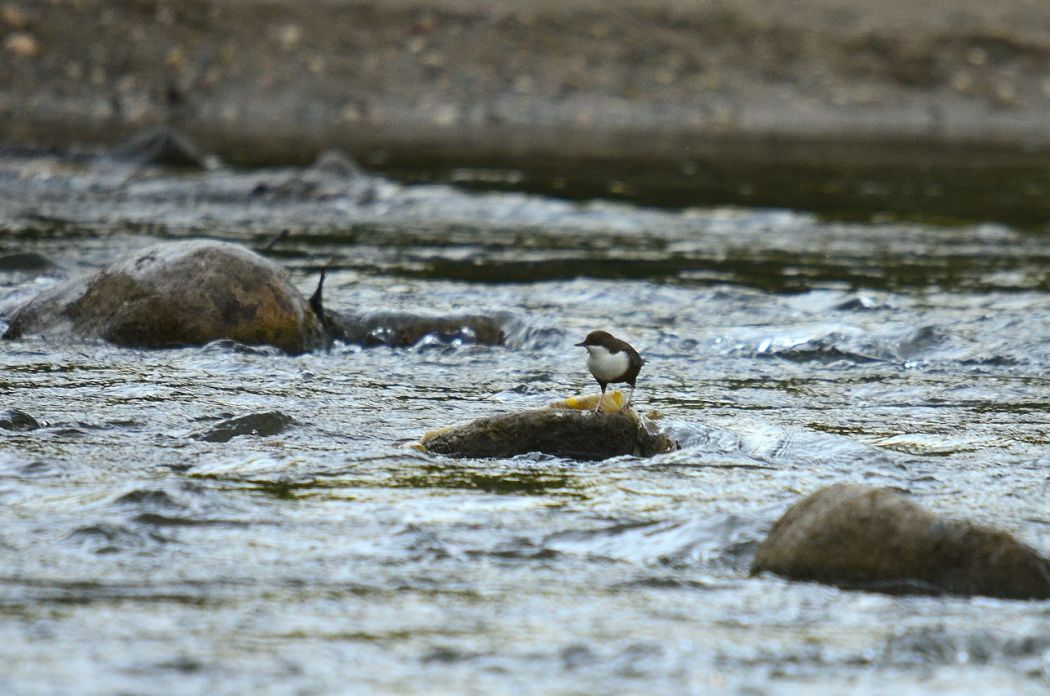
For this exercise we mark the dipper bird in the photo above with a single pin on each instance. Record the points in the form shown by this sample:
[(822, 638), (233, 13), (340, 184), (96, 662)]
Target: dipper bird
[(611, 360)]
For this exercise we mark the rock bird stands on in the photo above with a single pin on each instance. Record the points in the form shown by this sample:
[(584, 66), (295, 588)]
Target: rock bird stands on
[(611, 361)]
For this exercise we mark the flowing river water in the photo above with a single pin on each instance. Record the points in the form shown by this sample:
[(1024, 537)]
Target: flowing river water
[(785, 352)]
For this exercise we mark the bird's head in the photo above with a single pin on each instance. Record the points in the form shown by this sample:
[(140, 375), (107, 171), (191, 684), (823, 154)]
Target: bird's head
[(596, 339)]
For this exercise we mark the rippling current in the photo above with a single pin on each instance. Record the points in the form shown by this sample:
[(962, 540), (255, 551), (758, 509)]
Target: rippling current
[(784, 352)]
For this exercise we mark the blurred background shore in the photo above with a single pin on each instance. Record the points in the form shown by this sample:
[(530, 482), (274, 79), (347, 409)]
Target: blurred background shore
[(819, 104)]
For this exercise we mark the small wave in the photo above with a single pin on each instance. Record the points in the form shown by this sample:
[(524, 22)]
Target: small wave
[(524, 336), (860, 303), (832, 348), (755, 444), (858, 347), (181, 503), (108, 537), (147, 499), (938, 645), (718, 542), (225, 345)]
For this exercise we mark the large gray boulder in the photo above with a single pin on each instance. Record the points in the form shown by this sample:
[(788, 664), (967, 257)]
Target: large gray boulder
[(875, 538), (178, 293), (572, 433)]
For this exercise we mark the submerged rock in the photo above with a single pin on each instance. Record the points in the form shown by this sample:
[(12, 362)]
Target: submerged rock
[(178, 293), (162, 147), (402, 329), (25, 261), (338, 163), (13, 419), (259, 424), (875, 538), (571, 432)]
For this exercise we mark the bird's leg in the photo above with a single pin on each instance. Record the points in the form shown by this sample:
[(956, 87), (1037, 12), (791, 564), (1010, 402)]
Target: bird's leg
[(601, 398), (629, 399)]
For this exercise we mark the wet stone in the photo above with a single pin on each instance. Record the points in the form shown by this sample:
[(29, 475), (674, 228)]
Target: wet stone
[(877, 539), (25, 261), (258, 424), (569, 433), (13, 419), (403, 329)]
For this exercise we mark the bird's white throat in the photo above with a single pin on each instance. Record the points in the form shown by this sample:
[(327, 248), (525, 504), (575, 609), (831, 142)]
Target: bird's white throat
[(606, 366)]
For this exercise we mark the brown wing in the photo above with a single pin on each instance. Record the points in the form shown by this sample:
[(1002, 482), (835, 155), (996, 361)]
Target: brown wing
[(634, 365)]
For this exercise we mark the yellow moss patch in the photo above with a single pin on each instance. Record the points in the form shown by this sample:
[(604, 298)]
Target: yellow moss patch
[(432, 434), (613, 402)]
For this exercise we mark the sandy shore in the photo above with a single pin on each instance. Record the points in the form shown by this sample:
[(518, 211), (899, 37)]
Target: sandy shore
[(934, 111), (271, 80)]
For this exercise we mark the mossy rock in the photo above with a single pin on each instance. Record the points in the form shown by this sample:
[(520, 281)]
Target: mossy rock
[(878, 539), (569, 432), (175, 294)]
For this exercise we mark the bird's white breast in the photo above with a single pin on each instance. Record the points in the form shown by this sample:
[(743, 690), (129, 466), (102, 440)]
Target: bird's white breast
[(606, 366)]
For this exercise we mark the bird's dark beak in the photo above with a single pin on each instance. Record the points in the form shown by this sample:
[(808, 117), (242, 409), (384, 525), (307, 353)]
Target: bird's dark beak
[(581, 344)]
